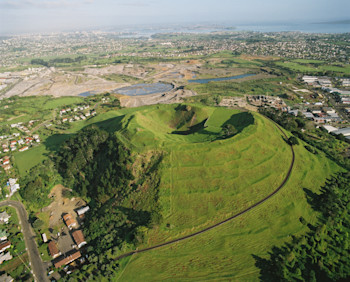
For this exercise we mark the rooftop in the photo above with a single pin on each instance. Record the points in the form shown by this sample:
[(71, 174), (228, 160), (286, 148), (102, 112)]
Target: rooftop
[(54, 252), (66, 260)]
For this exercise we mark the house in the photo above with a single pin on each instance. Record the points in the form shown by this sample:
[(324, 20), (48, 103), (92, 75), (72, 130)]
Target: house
[(29, 139), (5, 257), (83, 210), (14, 187), (7, 167), (79, 239), (293, 112), (3, 235), (4, 245), (6, 161), (308, 115), (67, 260), (325, 82), (330, 128), (328, 110), (70, 221), (346, 82), (44, 237), (54, 252), (344, 131), (4, 217), (25, 148), (319, 120), (309, 79)]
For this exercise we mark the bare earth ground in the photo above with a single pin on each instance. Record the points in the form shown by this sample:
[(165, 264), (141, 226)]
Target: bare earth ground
[(62, 205), (57, 82), (166, 98), (237, 102)]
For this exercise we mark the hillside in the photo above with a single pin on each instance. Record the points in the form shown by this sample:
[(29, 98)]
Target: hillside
[(215, 162), (205, 179)]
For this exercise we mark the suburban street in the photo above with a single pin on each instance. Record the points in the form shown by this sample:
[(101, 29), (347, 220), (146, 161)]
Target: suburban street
[(39, 270)]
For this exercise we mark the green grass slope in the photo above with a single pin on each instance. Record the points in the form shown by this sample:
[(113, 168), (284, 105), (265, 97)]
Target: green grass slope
[(226, 253), (205, 178)]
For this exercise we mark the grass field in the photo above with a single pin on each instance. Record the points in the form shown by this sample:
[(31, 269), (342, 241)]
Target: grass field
[(256, 85), (28, 159), (314, 66), (206, 179), (24, 109), (226, 253)]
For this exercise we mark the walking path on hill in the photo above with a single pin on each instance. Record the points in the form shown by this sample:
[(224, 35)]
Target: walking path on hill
[(228, 219), (39, 270)]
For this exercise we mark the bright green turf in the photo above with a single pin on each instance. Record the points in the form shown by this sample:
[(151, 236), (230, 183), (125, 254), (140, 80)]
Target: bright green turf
[(301, 66), (203, 182), (226, 253), (28, 159)]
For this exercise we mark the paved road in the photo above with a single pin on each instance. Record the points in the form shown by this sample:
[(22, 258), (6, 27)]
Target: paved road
[(39, 270), (228, 219)]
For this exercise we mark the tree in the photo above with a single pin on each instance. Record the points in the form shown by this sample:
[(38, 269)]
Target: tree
[(38, 223), (229, 130), (293, 141)]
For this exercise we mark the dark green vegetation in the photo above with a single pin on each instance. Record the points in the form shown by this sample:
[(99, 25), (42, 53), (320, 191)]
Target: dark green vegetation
[(95, 164), (38, 184), (322, 254), (58, 61), (123, 197)]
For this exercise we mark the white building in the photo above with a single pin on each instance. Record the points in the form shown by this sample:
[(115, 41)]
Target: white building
[(309, 79), (4, 217), (83, 210), (14, 187)]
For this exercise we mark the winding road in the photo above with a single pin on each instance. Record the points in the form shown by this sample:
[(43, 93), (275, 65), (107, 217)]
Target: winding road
[(228, 219), (39, 270)]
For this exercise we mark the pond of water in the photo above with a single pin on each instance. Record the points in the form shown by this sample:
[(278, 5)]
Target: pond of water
[(144, 89)]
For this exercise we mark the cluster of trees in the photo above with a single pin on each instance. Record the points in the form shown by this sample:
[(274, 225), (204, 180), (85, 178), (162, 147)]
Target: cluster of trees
[(95, 165), (56, 61), (124, 197), (323, 253), (38, 183), (284, 119)]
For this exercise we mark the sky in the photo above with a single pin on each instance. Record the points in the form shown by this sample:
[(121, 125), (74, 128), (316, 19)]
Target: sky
[(22, 16)]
